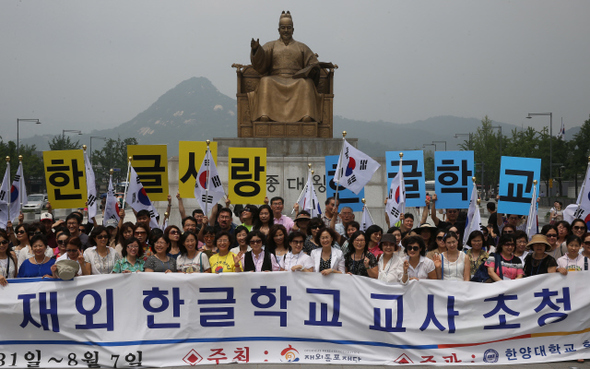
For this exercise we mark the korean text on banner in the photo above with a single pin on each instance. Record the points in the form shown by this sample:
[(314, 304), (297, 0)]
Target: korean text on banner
[(157, 320), (516, 184), (190, 157), (453, 171), (247, 175), (65, 178), (347, 197), (151, 165), (414, 178)]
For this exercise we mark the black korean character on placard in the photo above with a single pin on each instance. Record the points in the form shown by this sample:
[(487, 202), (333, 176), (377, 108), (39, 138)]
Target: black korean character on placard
[(61, 178), (242, 172), (521, 188), (191, 171), (450, 174), (271, 181), (152, 182), (411, 178)]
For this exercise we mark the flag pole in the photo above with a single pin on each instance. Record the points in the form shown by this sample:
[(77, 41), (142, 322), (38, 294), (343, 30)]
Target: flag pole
[(339, 166), (207, 182), (8, 203), (127, 181), (583, 185), (533, 203)]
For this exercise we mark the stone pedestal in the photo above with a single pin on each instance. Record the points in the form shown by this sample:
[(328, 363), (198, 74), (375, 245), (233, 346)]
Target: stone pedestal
[(287, 147)]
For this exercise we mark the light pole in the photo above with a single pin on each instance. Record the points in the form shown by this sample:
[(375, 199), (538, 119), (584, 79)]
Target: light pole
[(445, 142), (91, 137), (550, 114), (63, 132), (468, 135), (18, 120), (423, 146)]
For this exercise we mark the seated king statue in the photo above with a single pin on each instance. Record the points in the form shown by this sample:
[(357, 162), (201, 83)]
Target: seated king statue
[(287, 91)]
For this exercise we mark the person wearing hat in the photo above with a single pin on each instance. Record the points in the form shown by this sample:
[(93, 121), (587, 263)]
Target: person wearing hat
[(427, 232), (537, 261), (247, 216), (47, 221), (391, 262), (302, 221)]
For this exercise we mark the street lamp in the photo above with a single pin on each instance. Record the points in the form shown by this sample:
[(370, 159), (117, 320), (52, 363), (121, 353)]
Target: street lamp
[(468, 135), (91, 137), (18, 120), (445, 142), (63, 132), (550, 114)]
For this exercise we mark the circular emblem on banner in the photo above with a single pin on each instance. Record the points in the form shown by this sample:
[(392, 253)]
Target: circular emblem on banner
[(13, 194), (290, 355), (350, 167), (491, 356), (143, 197)]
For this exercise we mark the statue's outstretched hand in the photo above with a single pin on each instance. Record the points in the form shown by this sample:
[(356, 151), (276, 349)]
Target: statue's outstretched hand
[(254, 44)]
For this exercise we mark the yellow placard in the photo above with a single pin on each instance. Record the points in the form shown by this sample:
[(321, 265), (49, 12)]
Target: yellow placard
[(65, 177), (247, 175), (190, 158), (151, 164)]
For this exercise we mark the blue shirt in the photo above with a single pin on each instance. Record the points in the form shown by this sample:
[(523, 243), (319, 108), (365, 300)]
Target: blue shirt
[(28, 269)]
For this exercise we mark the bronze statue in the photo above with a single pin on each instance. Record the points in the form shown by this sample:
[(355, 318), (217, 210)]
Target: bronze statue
[(291, 71)]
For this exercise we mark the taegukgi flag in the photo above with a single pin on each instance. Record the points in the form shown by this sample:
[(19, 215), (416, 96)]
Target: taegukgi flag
[(208, 187), (396, 199), (473, 222), (18, 193), (111, 207), (309, 201), (138, 199), (366, 219), (5, 198), (91, 202), (355, 168), (532, 220)]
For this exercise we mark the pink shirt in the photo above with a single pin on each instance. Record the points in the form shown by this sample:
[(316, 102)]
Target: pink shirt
[(286, 222), (376, 251)]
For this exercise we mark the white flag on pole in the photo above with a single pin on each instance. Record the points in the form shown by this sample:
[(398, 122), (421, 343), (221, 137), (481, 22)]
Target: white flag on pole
[(5, 197), (396, 199), (581, 209), (532, 222), (111, 207), (90, 188), (355, 168), (18, 193), (473, 222), (561, 134), (309, 200), (366, 219), (208, 180), (138, 199)]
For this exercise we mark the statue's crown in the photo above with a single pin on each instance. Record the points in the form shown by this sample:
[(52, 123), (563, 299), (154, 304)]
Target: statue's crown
[(286, 15)]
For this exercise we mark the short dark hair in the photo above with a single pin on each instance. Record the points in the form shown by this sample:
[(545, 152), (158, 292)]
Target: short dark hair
[(192, 219), (225, 210), (143, 213), (313, 223), (277, 198), (520, 234), (155, 239), (409, 215), (75, 241), (256, 233), (128, 242), (74, 216), (294, 235), (198, 211), (328, 200), (504, 239), (332, 233), (572, 238), (354, 224), (95, 232), (414, 239), (491, 206), (38, 237)]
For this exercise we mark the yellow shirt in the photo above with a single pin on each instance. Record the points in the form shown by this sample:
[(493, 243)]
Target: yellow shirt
[(222, 264)]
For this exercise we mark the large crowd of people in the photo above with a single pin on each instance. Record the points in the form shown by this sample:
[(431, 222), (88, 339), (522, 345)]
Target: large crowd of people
[(263, 239)]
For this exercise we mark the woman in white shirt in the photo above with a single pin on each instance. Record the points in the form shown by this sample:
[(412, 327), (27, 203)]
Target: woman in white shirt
[(327, 259), (102, 258), (191, 260), (296, 260), (390, 262), (452, 266), (417, 266)]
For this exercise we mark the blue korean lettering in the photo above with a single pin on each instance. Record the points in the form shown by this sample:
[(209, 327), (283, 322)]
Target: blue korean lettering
[(97, 305), (219, 316), (269, 293), (501, 305), (399, 321), (525, 352), (569, 347), (156, 293), (554, 348), (511, 354), (431, 316), (324, 309), (540, 351), (546, 295), (47, 309)]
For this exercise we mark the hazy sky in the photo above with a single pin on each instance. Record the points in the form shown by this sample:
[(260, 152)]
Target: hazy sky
[(79, 64)]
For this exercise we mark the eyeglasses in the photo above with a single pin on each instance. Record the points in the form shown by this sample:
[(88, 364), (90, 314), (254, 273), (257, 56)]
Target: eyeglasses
[(315, 227), (222, 240), (72, 250), (36, 233), (509, 244), (174, 232), (102, 237), (301, 242), (133, 247), (587, 243), (439, 238), (61, 242), (4, 242), (71, 224), (255, 242), (20, 232), (413, 248), (140, 232), (551, 235), (578, 228)]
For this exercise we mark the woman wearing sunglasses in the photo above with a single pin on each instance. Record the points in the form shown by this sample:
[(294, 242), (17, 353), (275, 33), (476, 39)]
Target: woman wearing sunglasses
[(173, 233), (102, 258), (73, 251), (24, 232), (417, 266), (315, 225), (439, 241), (258, 259), (7, 259), (511, 267)]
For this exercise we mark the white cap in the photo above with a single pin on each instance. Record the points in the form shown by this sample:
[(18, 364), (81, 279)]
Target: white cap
[(46, 216)]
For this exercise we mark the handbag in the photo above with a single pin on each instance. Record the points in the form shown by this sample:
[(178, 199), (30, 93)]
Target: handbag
[(482, 275)]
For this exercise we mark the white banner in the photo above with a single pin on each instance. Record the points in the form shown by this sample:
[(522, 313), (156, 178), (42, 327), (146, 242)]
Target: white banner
[(166, 320)]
